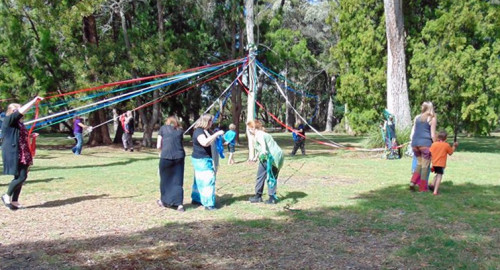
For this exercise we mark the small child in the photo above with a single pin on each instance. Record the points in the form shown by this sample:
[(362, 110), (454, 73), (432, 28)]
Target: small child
[(299, 139), (440, 151), (230, 138)]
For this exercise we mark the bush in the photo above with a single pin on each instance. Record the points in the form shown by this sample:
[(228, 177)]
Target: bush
[(375, 140)]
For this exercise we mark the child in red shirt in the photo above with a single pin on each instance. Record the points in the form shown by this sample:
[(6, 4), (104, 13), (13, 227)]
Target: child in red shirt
[(440, 151)]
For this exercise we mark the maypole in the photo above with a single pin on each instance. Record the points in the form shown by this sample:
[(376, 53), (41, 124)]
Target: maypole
[(249, 19)]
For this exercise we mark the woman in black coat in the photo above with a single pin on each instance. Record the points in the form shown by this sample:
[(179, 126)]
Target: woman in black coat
[(171, 164), (16, 155)]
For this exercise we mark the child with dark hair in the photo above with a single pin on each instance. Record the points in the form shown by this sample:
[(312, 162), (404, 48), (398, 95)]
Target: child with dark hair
[(440, 151), (299, 138)]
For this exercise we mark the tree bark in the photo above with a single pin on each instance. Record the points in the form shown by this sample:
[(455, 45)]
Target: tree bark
[(330, 116), (159, 7), (397, 88), (99, 136), (249, 19)]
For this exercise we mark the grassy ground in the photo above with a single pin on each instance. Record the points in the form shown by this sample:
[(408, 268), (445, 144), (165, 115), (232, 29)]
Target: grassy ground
[(338, 210)]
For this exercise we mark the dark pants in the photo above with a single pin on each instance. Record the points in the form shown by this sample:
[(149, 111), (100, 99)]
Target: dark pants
[(171, 181), (17, 183), (299, 144), (262, 177)]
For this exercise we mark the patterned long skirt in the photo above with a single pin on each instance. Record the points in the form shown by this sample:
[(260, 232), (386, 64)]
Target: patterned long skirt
[(204, 181)]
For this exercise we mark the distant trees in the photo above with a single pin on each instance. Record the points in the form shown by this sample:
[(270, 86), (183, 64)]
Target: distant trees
[(450, 56), (452, 53)]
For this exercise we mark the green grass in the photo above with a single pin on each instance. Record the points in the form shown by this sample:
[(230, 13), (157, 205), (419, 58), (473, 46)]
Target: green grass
[(338, 209)]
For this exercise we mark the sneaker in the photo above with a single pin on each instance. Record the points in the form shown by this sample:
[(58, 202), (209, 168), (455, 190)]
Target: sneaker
[(6, 199), (255, 199), (412, 187), (131, 150), (271, 200), (210, 208), (180, 208), (160, 203)]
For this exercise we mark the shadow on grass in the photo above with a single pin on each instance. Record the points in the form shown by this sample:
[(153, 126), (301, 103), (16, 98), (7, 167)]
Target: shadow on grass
[(129, 161), (29, 181), (228, 199), (74, 200), (385, 228)]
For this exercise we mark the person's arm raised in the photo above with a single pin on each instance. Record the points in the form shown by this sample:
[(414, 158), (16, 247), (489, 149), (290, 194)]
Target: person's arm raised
[(28, 105)]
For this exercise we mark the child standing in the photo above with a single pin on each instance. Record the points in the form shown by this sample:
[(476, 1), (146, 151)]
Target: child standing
[(299, 138), (230, 138), (440, 151)]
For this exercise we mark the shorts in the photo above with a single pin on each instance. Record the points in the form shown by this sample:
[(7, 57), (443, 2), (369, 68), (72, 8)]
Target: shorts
[(230, 148), (438, 170)]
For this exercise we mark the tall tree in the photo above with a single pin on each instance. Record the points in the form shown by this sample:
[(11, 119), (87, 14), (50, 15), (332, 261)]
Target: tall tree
[(249, 21), (397, 89)]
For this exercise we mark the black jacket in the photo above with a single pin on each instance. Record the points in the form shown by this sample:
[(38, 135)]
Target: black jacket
[(10, 145)]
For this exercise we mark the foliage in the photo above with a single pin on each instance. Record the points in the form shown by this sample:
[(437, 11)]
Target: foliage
[(453, 53), (455, 64), (360, 56)]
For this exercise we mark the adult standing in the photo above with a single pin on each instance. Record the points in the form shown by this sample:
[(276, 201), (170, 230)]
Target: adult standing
[(127, 121), (422, 137), (203, 192), (78, 127), (16, 155), (171, 165), (271, 160)]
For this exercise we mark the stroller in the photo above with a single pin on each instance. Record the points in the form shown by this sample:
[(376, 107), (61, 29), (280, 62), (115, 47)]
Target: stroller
[(388, 129)]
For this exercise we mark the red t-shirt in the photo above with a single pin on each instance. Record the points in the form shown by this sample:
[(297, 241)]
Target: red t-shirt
[(440, 151)]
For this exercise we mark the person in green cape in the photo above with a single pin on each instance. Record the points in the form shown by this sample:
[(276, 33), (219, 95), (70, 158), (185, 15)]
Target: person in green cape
[(270, 158)]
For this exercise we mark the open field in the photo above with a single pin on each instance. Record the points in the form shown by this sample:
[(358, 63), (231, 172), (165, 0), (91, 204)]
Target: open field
[(337, 210)]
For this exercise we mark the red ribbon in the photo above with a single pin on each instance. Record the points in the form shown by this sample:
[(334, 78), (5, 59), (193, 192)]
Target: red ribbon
[(32, 136)]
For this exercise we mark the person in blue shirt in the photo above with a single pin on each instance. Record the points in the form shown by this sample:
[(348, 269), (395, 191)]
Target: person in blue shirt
[(299, 138), (230, 141)]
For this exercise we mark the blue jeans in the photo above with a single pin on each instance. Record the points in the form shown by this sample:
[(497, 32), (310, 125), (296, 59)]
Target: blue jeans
[(77, 149)]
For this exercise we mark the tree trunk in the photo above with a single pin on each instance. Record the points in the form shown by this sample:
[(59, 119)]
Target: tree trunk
[(347, 127), (397, 88), (236, 90), (330, 116), (249, 20), (100, 135), (147, 136), (159, 7), (124, 29), (90, 30)]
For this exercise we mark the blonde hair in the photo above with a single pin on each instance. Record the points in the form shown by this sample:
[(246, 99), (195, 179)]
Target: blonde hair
[(232, 126), (173, 121), (257, 124), (204, 122), (427, 111), (12, 107)]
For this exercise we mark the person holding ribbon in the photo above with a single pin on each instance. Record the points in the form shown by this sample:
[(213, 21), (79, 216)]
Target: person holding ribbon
[(203, 192), (78, 127), (270, 158), (16, 154)]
